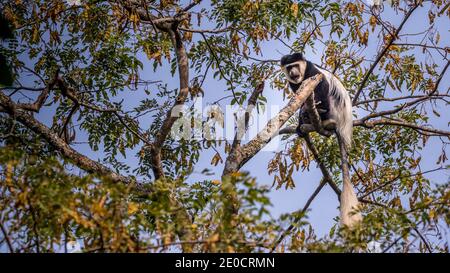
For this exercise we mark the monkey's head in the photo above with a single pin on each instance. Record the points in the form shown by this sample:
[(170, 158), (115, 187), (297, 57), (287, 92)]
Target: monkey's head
[(293, 66)]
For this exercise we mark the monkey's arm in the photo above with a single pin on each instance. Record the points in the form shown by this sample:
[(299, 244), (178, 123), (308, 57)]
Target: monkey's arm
[(310, 120)]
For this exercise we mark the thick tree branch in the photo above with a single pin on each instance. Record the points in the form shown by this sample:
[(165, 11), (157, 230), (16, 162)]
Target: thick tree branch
[(52, 138), (173, 114), (239, 156), (181, 216), (169, 25), (37, 105)]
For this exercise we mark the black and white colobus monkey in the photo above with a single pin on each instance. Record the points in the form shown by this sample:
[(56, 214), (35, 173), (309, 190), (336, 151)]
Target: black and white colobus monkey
[(331, 97), (333, 104)]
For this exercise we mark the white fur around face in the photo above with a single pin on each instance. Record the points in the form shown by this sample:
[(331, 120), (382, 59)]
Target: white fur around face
[(302, 68)]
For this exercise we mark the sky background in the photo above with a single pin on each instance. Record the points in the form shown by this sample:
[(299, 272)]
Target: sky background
[(325, 206)]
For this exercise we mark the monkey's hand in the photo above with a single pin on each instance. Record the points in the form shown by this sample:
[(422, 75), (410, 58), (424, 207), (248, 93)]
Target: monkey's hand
[(300, 131)]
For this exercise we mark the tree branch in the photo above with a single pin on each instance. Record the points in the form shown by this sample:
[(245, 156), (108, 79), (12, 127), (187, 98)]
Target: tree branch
[(382, 53), (394, 122), (300, 215), (438, 96), (52, 138), (36, 106), (250, 106), (370, 124), (210, 31), (173, 114), (70, 93), (6, 236), (399, 176), (241, 155), (326, 174)]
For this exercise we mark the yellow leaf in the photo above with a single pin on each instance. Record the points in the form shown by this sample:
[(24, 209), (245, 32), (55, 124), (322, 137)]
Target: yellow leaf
[(215, 182), (187, 36), (214, 238), (294, 9), (373, 22), (432, 214), (132, 208)]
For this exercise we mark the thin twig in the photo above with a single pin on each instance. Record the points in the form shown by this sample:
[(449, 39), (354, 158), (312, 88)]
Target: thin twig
[(6, 236)]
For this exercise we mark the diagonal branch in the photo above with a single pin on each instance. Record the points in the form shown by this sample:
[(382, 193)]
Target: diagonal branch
[(382, 53), (6, 236), (37, 105), (326, 174), (212, 52), (52, 138), (173, 114), (300, 214), (242, 128), (237, 158), (88, 164)]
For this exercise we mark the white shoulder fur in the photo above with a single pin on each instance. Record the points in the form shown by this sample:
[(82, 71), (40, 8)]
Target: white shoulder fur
[(340, 109)]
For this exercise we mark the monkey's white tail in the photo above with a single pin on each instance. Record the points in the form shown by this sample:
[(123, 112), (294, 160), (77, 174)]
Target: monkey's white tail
[(349, 204), (344, 124), (342, 112), (349, 214)]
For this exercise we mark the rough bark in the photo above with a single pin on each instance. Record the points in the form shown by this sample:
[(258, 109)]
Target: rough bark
[(52, 138), (241, 154)]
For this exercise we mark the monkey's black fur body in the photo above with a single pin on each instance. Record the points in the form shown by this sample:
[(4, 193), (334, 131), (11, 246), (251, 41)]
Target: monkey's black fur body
[(321, 95), (331, 98)]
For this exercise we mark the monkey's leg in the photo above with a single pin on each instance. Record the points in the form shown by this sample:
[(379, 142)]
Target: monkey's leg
[(349, 201), (303, 120)]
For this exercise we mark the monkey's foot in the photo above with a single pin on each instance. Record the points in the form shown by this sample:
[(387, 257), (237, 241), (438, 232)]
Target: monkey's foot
[(301, 131), (329, 124), (327, 127), (304, 129)]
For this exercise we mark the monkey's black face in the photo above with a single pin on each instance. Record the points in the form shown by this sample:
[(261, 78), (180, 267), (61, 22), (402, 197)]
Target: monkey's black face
[(295, 71), (294, 67)]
